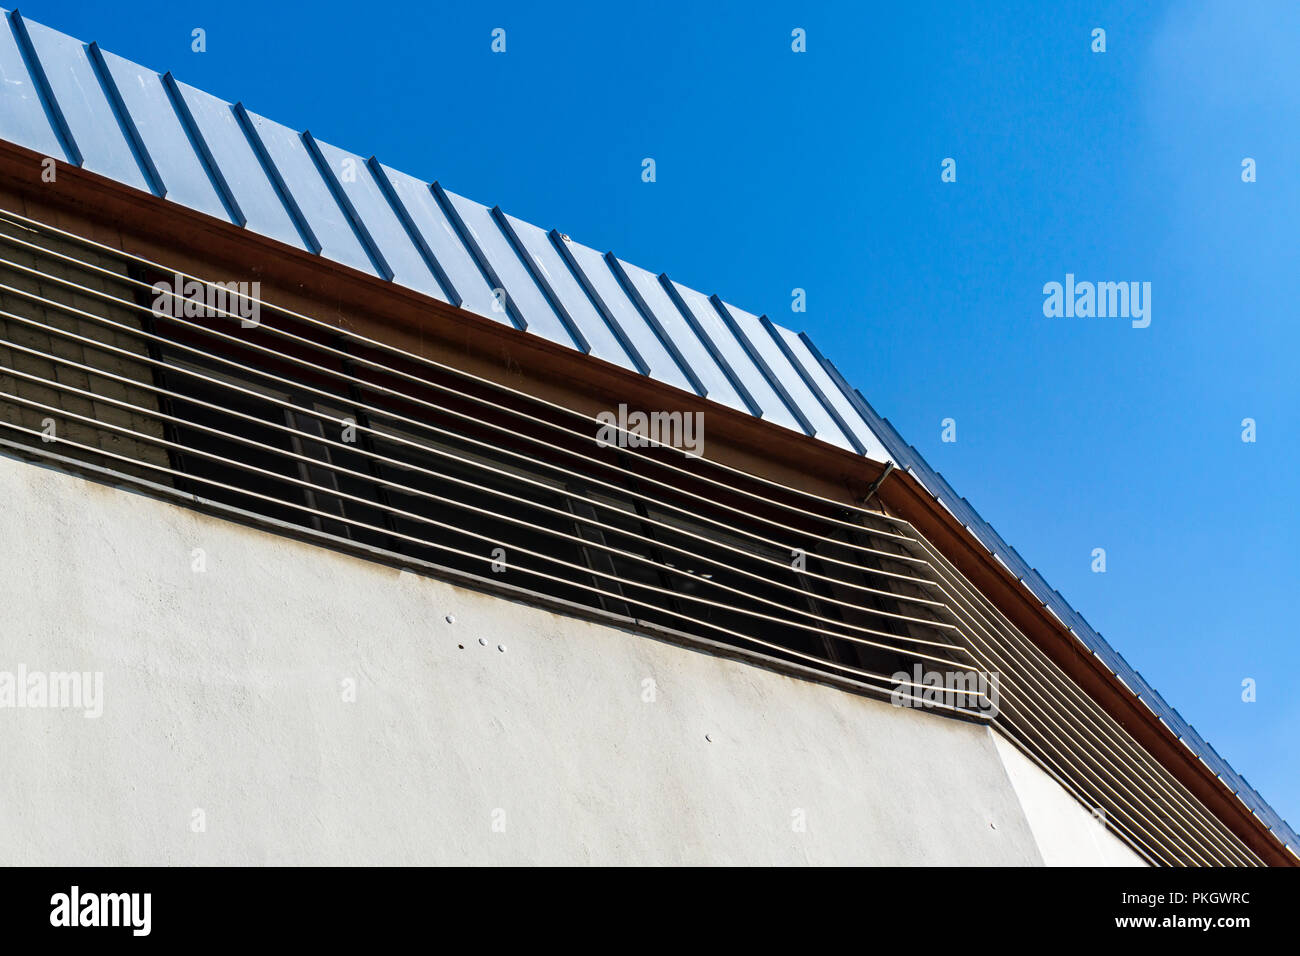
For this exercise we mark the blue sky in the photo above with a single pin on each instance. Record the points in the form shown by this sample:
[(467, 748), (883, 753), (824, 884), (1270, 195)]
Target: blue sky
[(821, 170)]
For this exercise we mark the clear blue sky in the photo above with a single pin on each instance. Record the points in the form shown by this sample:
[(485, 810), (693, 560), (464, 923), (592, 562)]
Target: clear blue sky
[(821, 170)]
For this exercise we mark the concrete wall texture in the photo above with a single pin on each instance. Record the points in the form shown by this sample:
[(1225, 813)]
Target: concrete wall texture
[(1066, 833), (268, 701)]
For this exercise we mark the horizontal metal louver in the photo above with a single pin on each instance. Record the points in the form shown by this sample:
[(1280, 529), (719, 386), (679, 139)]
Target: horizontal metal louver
[(298, 423)]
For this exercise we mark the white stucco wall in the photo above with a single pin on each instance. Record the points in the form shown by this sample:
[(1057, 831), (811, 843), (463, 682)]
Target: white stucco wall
[(224, 691), (1067, 834)]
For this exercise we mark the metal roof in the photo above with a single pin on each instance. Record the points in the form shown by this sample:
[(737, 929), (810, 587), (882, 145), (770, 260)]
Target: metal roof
[(76, 103)]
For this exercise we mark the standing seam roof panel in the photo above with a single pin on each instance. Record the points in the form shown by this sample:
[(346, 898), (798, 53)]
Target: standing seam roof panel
[(320, 212), (85, 106), (181, 171), (593, 270), (522, 293), (24, 118), (680, 339), (570, 294), (467, 286), (379, 224), (750, 330), (731, 356), (240, 169), (796, 349)]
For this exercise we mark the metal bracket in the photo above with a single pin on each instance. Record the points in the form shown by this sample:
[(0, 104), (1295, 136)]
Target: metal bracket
[(875, 485)]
